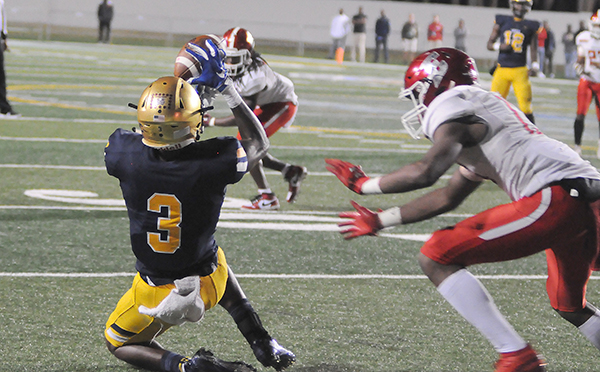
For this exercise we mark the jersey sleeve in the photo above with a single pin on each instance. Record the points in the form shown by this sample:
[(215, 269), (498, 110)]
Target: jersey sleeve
[(116, 145), (498, 19), (230, 161), (253, 82), (241, 166), (449, 106)]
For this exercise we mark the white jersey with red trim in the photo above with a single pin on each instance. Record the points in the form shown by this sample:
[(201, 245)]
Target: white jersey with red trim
[(589, 47), (270, 86), (514, 153)]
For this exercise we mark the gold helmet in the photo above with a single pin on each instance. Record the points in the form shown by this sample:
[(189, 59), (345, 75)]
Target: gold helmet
[(170, 114), (521, 7)]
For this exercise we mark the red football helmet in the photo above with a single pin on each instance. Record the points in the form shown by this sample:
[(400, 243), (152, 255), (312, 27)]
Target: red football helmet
[(239, 44), (594, 25), (431, 74)]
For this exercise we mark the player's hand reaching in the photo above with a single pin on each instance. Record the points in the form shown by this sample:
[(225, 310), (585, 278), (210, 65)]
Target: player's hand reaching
[(351, 175), (214, 74), (208, 121), (362, 222)]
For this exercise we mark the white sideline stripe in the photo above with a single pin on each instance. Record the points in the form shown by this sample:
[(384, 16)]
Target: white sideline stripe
[(276, 276)]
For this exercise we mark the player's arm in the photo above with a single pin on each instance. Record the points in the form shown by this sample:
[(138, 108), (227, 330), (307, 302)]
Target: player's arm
[(441, 200), (493, 37), (229, 121), (533, 46), (366, 222), (214, 75), (254, 137), (448, 140), (447, 144)]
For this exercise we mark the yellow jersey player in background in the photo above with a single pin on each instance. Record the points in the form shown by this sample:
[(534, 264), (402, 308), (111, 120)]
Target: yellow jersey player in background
[(516, 34)]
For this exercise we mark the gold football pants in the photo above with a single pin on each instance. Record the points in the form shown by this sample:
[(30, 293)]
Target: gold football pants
[(518, 77), (127, 326)]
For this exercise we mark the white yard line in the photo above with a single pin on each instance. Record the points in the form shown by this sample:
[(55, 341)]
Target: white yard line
[(274, 276)]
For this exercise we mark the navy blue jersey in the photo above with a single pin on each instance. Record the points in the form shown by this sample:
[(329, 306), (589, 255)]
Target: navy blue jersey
[(174, 200), (518, 33)]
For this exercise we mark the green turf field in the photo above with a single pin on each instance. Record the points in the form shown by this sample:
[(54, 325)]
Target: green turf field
[(357, 306)]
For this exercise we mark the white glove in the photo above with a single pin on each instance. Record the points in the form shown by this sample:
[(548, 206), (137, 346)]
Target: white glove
[(578, 68), (183, 304), (209, 121)]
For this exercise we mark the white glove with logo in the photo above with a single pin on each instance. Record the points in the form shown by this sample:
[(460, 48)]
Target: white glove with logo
[(183, 304)]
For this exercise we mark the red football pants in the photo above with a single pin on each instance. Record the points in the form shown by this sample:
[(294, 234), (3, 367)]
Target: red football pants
[(550, 220), (274, 116), (585, 91)]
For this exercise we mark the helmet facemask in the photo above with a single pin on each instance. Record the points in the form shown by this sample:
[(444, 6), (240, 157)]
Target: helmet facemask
[(237, 61), (413, 119)]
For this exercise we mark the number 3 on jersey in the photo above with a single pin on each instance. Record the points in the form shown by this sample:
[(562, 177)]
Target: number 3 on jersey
[(168, 226)]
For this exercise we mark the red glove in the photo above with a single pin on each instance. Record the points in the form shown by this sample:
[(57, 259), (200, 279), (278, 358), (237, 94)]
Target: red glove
[(364, 222), (351, 175)]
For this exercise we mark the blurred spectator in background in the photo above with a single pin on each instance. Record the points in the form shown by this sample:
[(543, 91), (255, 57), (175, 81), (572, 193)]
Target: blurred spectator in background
[(410, 35), (460, 36), (359, 21), (568, 40), (6, 110), (435, 33), (541, 49), (340, 28), (549, 48), (382, 30), (582, 27), (105, 16)]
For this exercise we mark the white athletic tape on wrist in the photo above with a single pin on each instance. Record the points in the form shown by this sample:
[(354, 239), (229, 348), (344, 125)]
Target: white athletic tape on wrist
[(211, 122), (390, 217), (232, 97), (535, 66), (371, 186)]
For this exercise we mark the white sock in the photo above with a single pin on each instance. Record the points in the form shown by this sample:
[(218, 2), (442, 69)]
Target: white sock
[(265, 191), (591, 329), (470, 298)]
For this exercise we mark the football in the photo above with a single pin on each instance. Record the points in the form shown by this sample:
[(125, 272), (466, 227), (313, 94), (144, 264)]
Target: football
[(186, 65)]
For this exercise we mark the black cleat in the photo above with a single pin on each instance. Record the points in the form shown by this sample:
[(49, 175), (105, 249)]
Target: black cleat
[(294, 176), (271, 354), (205, 361)]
